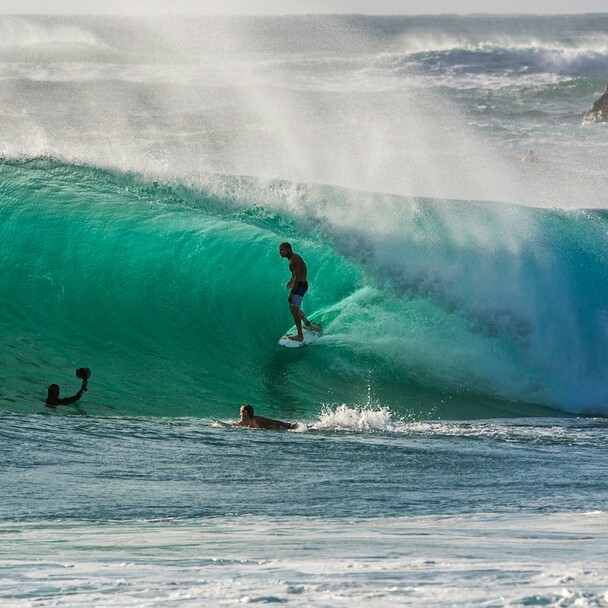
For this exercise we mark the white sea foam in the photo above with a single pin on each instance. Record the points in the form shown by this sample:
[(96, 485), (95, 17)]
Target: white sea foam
[(374, 417), (345, 418), (553, 560)]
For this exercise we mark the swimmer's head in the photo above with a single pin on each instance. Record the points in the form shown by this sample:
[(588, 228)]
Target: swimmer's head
[(53, 392), (246, 411)]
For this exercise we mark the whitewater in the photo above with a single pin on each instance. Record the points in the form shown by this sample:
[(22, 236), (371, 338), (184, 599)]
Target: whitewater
[(451, 446)]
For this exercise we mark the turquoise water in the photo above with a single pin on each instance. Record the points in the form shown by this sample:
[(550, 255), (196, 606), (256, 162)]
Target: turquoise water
[(452, 418), (174, 297)]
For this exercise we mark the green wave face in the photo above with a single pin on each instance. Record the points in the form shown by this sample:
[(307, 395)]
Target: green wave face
[(174, 297)]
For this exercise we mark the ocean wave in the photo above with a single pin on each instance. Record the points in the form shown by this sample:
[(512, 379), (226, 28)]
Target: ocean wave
[(374, 418), (493, 65), (432, 308), (357, 55), (21, 32)]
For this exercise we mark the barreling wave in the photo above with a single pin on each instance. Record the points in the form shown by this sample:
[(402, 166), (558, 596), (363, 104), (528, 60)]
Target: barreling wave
[(173, 294)]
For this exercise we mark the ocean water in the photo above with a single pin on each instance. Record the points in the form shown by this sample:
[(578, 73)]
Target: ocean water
[(451, 449)]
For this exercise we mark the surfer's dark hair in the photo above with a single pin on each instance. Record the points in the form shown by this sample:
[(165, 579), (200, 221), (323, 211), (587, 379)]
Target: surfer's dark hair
[(53, 392), (286, 245), (248, 408)]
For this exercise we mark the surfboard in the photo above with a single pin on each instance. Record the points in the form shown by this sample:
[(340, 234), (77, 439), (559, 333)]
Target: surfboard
[(224, 424), (310, 335)]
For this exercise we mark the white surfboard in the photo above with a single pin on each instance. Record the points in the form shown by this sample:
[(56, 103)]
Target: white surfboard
[(310, 335), (223, 423)]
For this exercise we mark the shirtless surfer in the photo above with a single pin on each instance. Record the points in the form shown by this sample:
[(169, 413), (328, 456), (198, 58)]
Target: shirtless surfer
[(248, 418), (298, 286)]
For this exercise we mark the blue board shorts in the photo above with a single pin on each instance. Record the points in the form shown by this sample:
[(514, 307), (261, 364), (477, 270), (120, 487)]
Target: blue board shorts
[(297, 294)]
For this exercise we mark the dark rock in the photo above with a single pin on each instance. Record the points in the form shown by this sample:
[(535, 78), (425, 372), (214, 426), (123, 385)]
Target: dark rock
[(599, 111)]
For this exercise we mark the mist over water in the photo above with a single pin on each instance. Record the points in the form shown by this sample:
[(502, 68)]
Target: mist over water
[(379, 104)]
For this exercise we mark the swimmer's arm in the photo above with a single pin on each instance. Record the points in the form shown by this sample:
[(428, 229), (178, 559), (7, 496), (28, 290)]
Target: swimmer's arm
[(75, 397)]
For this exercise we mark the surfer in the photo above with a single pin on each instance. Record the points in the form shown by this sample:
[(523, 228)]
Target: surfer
[(53, 399), (530, 157), (248, 418), (298, 286)]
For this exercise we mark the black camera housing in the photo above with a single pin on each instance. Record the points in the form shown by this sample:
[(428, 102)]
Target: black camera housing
[(84, 373)]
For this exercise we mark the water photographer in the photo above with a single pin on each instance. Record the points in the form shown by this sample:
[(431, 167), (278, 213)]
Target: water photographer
[(53, 399)]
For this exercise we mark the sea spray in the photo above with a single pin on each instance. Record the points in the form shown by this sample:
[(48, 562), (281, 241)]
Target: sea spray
[(345, 418)]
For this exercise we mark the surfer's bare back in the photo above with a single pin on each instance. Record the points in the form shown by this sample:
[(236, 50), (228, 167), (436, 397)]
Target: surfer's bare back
[(248, 418)]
